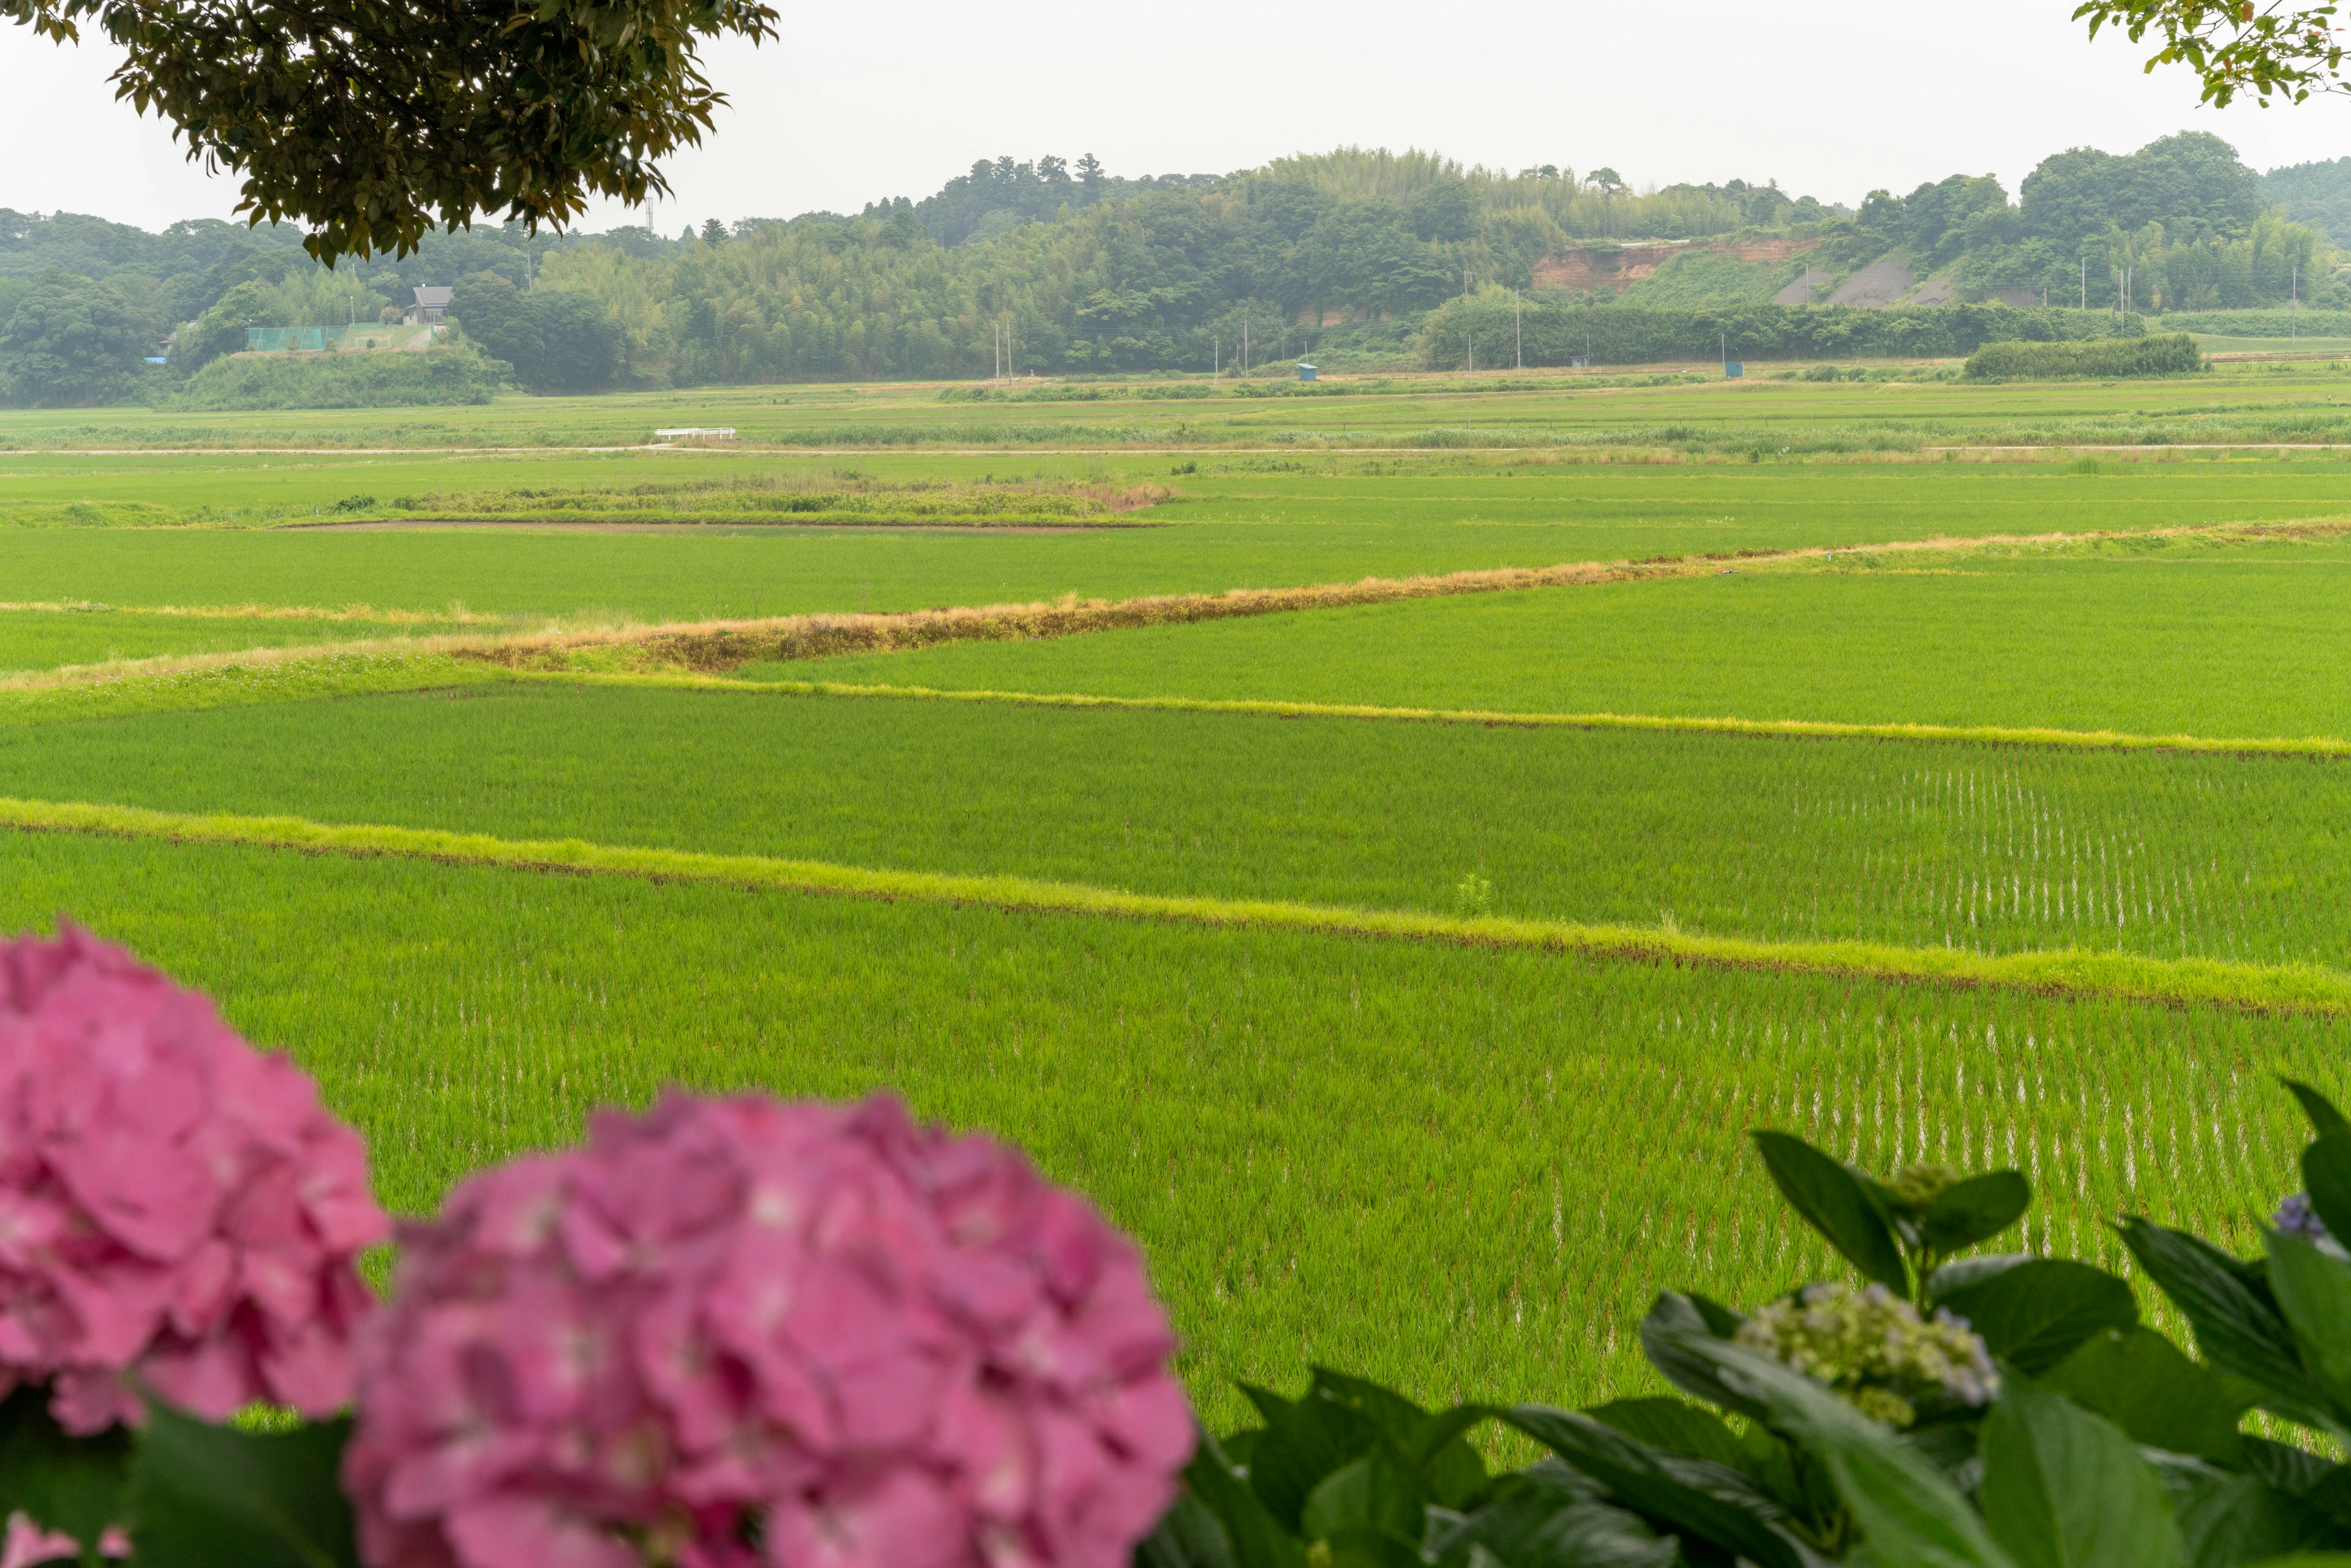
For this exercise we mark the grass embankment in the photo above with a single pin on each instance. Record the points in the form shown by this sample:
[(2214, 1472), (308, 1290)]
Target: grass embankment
[(1954, 843), (1460, 1167), (2286, 988), (725, 645)]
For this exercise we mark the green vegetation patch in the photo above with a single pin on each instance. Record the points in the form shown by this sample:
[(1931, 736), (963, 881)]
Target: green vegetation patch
[(2174, 354), (450, 375)]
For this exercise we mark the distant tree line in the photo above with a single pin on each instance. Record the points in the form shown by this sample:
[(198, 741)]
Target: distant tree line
[(1046, 266)]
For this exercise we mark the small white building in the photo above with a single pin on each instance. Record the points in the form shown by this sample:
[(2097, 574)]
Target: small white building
[(431, 306)]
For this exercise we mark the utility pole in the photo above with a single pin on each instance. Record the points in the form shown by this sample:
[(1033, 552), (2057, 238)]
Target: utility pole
[(1216, 361), (2294, 306), (2086, 283), (1518, 334), (1244, 346)]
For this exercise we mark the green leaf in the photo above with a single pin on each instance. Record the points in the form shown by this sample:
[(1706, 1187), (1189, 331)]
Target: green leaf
[(2327, 1174), (2239, 1328), (1909, 1515), (1961, 1272), (1674, 1426), (2034, 1313), (1541, 1518), (2242, 1519), (1431, 1446), (1301, 1443), (1832, 1201), (203, 1496), (72, 1484), (1254, 1538), (1187, 1536), (2064, 1489), (2139, 1380), (1975, 1211), (1370, 1494), (2313, 1290), (1695, 1497), (1670, 1317), (2325, 1119)]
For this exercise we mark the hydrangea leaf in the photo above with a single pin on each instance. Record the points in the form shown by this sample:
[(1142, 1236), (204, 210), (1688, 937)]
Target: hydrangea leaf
[(1693, 1497), (2239, 1328), (2313, 1290), (1975, 1211), (1834, 1202), (204, 1495), (62, 1483), (2327, 1176), (2324, 1117), (2033, 1314), (1909, 1515), (2064, 1489), (2138, 1380)]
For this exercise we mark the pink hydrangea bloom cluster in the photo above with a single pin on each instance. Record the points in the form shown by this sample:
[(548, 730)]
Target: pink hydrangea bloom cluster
[(176, 1208), (731, 1331)]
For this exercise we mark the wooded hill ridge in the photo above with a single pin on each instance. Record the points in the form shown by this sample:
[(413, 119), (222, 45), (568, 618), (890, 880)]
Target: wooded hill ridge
[(1050, 267)]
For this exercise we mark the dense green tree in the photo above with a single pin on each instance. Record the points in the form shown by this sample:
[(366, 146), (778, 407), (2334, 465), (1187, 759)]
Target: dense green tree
[(488, 310), (2192, 184), (73, 341), (557, 339), (2314, 194), (372, 124), (580, 344)]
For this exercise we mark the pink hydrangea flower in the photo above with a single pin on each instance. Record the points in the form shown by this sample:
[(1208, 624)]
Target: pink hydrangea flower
[(176, 1208), (732, 1331)]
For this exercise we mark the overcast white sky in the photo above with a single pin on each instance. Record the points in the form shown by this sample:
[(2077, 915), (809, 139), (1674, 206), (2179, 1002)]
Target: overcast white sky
[(891, 99)]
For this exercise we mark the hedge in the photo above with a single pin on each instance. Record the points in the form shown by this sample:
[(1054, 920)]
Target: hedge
[(1552, 334), (2171, 354), (453, 374)]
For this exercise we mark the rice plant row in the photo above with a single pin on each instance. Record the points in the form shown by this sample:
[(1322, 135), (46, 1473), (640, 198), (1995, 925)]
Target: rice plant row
[(1979, 849), (1458, 1169)]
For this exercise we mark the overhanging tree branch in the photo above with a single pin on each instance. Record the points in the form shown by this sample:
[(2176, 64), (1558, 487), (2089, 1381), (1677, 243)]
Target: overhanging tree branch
[(2283, 50), (370, 122)]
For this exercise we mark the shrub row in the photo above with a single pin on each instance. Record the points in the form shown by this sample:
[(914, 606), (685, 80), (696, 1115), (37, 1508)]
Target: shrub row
[(2173, 354), (452, 374), (1555, 334)]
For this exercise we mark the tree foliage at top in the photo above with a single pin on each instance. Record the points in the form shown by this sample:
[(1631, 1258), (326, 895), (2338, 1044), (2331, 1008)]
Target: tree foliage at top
[(370, 123), (2286, 49)]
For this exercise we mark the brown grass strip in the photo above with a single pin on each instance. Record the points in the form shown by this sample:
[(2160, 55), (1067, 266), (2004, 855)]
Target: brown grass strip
[(726, 645)]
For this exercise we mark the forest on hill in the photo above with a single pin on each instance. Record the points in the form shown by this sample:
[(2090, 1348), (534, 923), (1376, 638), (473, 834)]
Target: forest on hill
[(1048, 268)]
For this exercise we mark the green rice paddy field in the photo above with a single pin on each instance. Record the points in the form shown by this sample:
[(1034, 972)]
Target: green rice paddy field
[(1438, 1153)]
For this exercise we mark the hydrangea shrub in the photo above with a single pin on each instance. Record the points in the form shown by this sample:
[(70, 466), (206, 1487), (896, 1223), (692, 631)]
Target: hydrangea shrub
[(734, 1331), (177, 1210)]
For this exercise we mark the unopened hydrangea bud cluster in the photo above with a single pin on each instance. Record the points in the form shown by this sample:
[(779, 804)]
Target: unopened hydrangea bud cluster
[(734, 1331), (176, 1209), (1919, 1185), (1874, 1349)]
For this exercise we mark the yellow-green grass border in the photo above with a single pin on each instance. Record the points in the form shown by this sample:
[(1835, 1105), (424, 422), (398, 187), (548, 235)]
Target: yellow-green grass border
[(2316, 747), (2299, 988)]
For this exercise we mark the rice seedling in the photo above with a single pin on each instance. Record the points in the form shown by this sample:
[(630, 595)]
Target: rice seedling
[(1519, 1130), (2248, 642), (1948, 845)]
